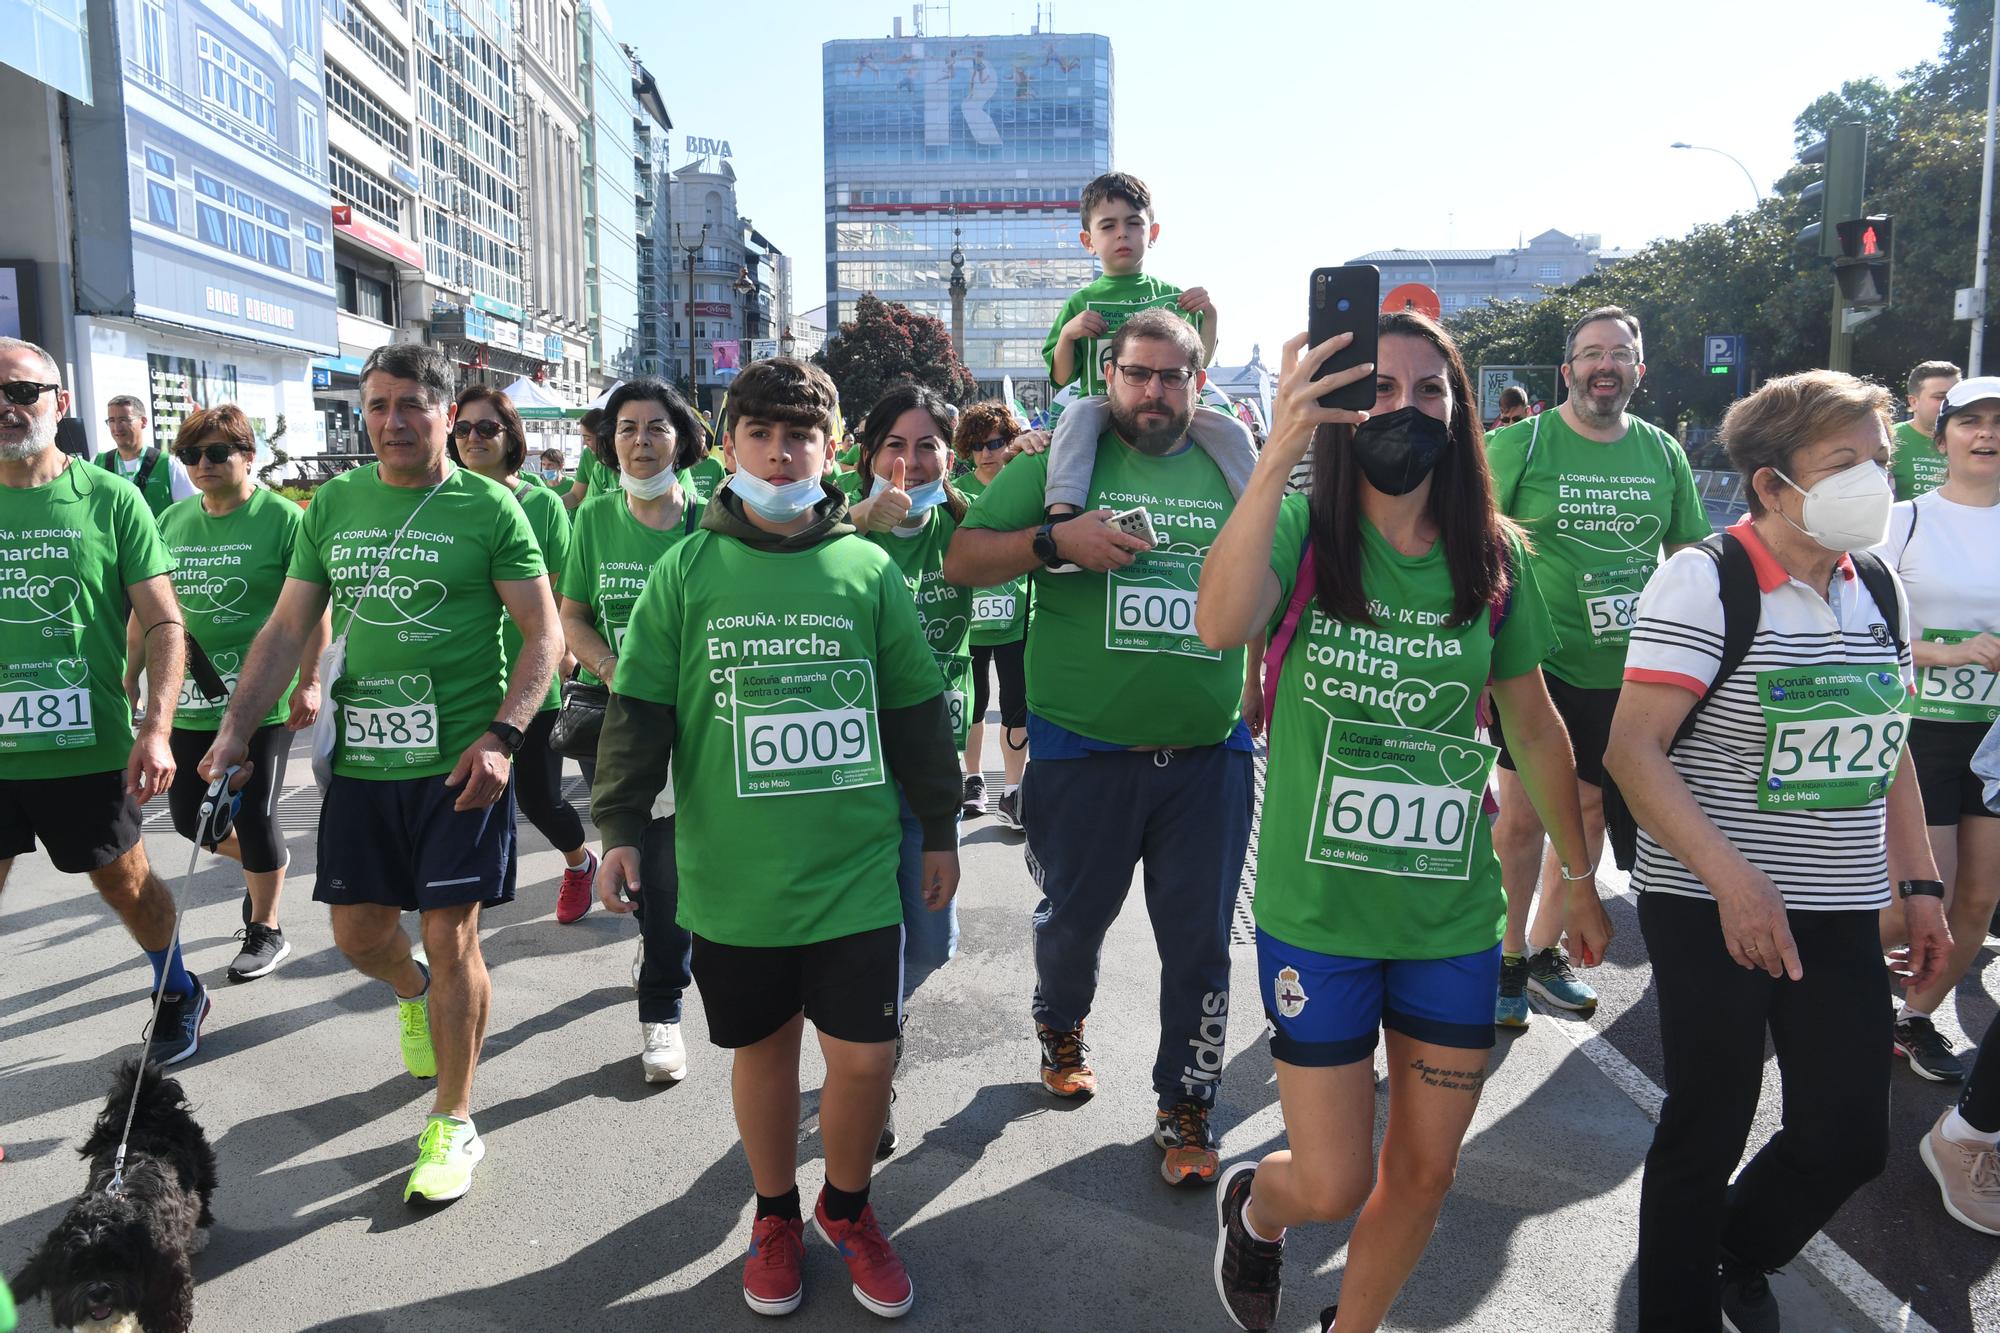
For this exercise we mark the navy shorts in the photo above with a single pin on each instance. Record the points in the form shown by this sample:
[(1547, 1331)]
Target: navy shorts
[(399, 843), (1326, 1009)]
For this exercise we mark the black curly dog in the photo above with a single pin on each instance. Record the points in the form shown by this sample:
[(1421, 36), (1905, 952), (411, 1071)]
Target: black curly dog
[(124, 1256)]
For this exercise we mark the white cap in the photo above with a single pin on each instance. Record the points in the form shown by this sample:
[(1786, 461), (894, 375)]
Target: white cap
[(1964, 394)]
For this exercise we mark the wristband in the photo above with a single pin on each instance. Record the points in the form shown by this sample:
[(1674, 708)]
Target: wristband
[(1919, 888), (1588, 874), (598, 670)]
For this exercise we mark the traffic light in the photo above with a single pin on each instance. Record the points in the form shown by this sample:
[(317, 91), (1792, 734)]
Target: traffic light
[(1841, 188), (1866, 261)]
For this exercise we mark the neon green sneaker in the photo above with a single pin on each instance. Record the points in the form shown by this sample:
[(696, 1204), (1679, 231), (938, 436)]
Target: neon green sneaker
[(7, 1315), (414, 1018), (447, 1151)]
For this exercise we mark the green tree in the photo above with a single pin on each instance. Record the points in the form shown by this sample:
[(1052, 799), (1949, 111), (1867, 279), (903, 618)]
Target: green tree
[(885, 343)]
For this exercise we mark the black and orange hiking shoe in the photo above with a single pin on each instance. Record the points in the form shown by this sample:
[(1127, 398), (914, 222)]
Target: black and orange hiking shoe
[(1183, 1135), (1063, 1071)]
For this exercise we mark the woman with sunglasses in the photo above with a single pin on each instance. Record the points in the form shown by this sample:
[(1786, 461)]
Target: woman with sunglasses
[(487, 437), (232, 543), (652, 439), (984, 437)]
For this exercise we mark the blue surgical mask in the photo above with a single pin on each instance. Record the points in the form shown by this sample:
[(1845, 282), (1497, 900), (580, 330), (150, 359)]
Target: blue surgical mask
[(923, 498), (777, 504)]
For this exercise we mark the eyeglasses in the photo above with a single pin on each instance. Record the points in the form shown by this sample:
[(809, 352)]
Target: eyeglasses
[(487, 429), (214, 453), (121, 421), (1508, 419), (1590, 356), (23, 392), (1140, 376), (997, 442), (659, 432)]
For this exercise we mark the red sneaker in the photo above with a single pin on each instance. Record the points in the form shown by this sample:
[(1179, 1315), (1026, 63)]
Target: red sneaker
[(573, 898), (881, 1283), (771, 1281)]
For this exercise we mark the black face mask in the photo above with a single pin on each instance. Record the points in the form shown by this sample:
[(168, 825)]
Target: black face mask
[(1398, 449)]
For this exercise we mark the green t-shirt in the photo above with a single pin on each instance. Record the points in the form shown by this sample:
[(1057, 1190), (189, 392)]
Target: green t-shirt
[(69, 549), (999, 615), (560, 485), (778, 664), (549, 521), (944, 609), (1117, 299), (611, 559), (1373, 843), (159, 489), (228, 572), (593, 476), (704, 477), (1115, 657), (1597, 516), (424, 675), (1917, 468)]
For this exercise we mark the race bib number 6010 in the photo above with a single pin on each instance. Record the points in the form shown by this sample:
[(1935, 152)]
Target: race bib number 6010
[(805, 727), (1398, 801)]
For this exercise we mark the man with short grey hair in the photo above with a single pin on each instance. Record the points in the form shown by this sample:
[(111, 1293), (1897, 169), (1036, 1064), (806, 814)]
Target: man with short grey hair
[(158, 475), (76, 550)]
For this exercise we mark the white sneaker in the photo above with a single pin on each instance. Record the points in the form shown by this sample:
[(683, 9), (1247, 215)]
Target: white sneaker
[(662, 1056), (638, 962)]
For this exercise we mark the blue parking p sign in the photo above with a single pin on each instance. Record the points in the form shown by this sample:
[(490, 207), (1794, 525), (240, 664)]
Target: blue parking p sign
[(1722, 349)]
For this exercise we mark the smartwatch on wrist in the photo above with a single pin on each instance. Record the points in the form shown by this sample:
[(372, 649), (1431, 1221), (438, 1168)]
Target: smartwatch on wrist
[(1044, 544), (511, 739), (1919, 888)]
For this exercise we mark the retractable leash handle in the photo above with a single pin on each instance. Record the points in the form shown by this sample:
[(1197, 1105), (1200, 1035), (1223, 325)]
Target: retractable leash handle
[(219, 808)]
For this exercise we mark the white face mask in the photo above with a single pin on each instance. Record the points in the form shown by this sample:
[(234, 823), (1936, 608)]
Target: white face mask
[(777, 504), (647, 488), (1848, 511)]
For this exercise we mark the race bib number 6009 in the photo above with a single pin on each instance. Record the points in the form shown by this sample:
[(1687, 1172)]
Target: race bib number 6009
[(805, 727)]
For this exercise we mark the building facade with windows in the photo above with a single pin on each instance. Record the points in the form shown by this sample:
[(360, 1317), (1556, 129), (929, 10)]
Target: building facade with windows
[(737, 297), (984, 143), (552, 118), (610, 209), (1467, 279)]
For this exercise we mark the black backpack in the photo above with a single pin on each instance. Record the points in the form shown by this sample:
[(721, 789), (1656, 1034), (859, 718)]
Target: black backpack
[(1741, 606)]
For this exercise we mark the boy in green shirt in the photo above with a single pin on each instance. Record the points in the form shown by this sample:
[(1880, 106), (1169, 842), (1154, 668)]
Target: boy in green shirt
[(1118, 226), (1917, 466), (783, 675)]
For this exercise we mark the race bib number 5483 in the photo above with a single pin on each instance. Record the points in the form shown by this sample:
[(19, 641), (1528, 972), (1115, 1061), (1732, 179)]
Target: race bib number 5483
[(805, 727)]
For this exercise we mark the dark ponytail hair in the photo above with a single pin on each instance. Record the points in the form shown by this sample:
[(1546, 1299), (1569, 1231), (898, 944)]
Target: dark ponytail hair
[(889, 408), (1474, 532)]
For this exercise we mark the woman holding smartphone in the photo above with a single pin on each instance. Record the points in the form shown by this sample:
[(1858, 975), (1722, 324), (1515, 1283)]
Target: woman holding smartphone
[(1379, 904)]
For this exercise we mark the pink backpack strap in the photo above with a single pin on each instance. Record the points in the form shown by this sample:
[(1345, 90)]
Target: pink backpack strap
[(1304, 585)]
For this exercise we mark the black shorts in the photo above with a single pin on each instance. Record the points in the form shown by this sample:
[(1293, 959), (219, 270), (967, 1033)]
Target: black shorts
[(1586, 714), (850, 987), (398, 843), (84, 823), (1010, 664), (258, 836), (1942, 754)]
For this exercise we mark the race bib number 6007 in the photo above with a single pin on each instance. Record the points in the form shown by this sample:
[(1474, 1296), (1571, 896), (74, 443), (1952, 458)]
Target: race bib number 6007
[(805, 727)]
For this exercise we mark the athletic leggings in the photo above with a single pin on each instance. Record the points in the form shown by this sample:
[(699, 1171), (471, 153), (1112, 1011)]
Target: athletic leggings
[(257, 832), (538, 786), (1009, 662), (1980, 1102)]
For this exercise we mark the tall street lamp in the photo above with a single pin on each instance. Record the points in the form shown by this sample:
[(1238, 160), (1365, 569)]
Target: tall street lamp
[(745, 289), (1756, 192), (691, 251)]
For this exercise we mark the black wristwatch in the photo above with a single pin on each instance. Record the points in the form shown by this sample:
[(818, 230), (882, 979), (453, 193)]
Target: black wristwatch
[(1919, 888), (510, 736), (1044, 544)]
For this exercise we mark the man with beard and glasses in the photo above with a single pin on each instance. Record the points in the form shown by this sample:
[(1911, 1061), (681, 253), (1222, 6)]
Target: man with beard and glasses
[(1599, 492), (1139, 748), (78, 551)]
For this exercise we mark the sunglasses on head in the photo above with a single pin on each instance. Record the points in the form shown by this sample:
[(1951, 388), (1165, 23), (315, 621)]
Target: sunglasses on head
[(23, 392), (194, 453), (487, 429)]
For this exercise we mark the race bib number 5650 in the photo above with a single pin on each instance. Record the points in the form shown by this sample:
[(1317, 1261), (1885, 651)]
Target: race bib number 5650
[(805, 727)]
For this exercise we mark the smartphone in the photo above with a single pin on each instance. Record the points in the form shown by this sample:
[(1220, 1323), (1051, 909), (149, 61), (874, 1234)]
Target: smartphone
[(1345, 300), (1138, 523)]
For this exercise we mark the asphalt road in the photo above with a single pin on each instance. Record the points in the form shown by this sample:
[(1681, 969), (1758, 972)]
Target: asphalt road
[(606, 1204)]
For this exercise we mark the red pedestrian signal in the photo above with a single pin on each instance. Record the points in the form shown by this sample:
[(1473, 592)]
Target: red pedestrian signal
[(1865, 265)]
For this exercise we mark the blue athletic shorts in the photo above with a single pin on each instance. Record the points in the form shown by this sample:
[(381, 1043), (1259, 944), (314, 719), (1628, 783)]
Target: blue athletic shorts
[(398, 843), (1326, 1010)]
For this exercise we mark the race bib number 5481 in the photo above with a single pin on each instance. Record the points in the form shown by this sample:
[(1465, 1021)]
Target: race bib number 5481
[(805, 727)]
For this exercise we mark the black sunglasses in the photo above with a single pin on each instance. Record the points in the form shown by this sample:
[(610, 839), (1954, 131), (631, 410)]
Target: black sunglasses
[(997, 442), (487, 429), (23, 392), (214, 453)]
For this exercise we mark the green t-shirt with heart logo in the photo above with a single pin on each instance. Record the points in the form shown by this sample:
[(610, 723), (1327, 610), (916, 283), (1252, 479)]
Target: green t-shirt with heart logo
[(778, 665), (69, 549), (1115, 657), (549, 521), (1373, 844), (228, 572), (1597, 516), (611, 559), (944, 609), (1918, 467), (424, 674), (1117, 299), (999, 615), (704, 477)]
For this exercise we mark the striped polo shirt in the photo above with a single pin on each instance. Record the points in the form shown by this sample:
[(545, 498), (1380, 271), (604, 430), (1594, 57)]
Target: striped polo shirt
[(1820, 859)]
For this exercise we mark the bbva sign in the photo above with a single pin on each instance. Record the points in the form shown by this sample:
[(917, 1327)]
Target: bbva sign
[(699, 147)]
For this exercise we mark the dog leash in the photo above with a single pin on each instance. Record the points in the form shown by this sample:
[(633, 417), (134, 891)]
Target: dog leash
[(211, 827)]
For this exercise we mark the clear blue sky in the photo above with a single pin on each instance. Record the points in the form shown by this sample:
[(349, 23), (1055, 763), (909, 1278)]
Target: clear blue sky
[(1280, 136)]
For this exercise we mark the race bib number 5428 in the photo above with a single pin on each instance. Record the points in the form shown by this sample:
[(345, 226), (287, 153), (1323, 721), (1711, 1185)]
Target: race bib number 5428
[(805, 727)]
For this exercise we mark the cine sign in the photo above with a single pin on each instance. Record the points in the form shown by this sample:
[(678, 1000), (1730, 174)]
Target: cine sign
[(700, 147)]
